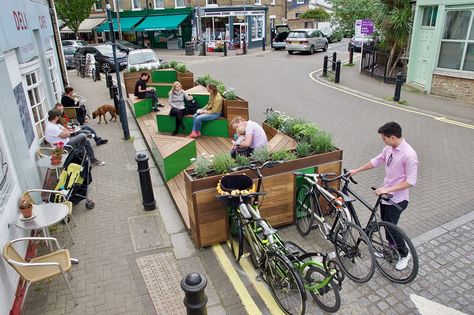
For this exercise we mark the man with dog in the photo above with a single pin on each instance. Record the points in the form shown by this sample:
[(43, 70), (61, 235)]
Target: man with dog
[(87, 130), (55, 133), (142, 91)]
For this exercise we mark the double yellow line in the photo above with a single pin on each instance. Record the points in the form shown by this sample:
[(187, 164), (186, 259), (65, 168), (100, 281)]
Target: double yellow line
[(248, 302)]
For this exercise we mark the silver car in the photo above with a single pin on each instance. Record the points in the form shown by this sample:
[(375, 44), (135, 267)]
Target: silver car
[(307, 40)]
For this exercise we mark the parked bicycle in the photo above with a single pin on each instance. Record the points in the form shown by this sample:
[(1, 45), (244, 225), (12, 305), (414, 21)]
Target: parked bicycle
[(388, 240), (352, 246)]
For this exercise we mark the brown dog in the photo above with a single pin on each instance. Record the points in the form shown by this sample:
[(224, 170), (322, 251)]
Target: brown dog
[(102, 110)]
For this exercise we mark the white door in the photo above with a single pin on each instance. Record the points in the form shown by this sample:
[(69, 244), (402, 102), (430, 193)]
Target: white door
[(423, 55)]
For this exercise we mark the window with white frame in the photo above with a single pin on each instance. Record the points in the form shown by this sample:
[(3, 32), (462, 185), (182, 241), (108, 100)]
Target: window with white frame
[(119, 4), (54, 79), (273, 2), (429, 16), (258, 27), (37, 99), (258, 2), (98, 5), (457, 43), (179, 3), (211, 2), (136, 5), (159, 4)]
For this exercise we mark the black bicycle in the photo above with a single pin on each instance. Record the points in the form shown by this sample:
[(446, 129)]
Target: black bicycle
[(387, 239)]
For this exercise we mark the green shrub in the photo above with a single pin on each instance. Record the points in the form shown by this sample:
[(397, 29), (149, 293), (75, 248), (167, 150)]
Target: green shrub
[(142, 69), (202, 165), (283, 155), (221, 87), (132, 69), (223, 163), (173, 63), (203, 79), (242, 160), (302, 130), (180, 67), (230, 94), (261, 154), (321, 142), (303, 149), (274, 118)]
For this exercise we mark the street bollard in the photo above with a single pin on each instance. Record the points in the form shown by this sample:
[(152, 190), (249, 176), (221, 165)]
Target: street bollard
[(263, 44), (225, 48), (337, 77), (244, 47), (334, 57), (325, 66), (351, 55), (398, 87), (195, 298), (97, 72), (203, 48), (113, 91), (149, 202), (108, 80)]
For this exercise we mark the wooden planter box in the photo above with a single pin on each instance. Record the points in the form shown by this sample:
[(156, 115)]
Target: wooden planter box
[(208, 216), (186, 79), (130, 79), (233, 108)]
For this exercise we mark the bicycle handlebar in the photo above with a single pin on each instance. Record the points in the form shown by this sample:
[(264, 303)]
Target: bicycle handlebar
[(255, 167), (345, 170)]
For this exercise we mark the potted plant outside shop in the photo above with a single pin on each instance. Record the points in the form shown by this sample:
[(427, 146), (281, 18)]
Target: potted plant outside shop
[(57, 153), (26, 208)]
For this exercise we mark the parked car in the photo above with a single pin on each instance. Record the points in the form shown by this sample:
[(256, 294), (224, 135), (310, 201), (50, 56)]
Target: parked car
[(125, 46), (357, 41), (307, 40), (331, 34), (74, 43), (280, 34), (143, 58), (69, 52), (103, 56)]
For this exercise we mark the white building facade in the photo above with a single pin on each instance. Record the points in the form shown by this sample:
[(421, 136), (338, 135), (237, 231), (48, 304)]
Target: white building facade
[(30, 85)]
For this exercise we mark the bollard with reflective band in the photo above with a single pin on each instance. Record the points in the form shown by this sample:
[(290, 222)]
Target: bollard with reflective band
[(149, 202), (195, 298)]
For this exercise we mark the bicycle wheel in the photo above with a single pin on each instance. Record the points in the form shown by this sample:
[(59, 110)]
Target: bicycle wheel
[(236, 236), (285, 284), (354, 252), (304, 210), (327, 297), (387, 254)]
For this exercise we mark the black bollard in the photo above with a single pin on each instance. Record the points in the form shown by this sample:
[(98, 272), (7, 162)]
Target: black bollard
[(113, 91), (325, 66), (145, 182), (97, 72), (334, 57), (244, 46), (351, 55), (195, 298), (398, 87), (337, 77), (108, 80), (203, 48), (263, 44), (225, 48)]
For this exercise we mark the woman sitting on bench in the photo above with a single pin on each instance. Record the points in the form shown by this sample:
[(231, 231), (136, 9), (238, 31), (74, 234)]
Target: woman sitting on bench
[(211, 111), (176, 99)]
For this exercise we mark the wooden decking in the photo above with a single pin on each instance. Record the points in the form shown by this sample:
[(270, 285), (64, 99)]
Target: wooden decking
[(207, 145)]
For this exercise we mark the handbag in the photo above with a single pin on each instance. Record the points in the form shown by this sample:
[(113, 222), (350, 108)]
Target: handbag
[(191, 107)]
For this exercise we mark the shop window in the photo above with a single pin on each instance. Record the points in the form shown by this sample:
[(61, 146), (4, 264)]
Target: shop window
[(257, 27), (36, 97), (98, 5), (119, 4), (211, 2), (179, 3), (136, 5), (457, 43), (54, 79), (429, 16), (273, 2), (159, 4)]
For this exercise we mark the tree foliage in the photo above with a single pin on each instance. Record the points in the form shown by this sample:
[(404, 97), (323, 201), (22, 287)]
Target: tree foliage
[(346, 12), (73, 12), (317, 14)]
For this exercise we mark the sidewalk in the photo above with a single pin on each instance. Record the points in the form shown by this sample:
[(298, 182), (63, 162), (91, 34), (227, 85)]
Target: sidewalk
[(131, 260), (364, 85)]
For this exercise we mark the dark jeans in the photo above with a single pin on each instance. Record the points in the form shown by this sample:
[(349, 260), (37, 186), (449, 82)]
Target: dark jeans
[(81, 140), (154, 98), (244, 152), (392, 214), (179, 113), (89, 130)]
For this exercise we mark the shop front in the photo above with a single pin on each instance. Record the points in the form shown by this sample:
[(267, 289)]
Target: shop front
[(233, 25)]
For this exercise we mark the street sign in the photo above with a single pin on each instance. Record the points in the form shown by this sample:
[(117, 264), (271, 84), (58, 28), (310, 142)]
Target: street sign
[(364, 27)]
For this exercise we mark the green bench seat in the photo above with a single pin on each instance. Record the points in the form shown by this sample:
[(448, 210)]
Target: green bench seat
[(213, 128), (140, 106)]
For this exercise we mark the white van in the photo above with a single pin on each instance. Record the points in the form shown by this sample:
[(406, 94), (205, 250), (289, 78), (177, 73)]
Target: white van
[(143, 58)]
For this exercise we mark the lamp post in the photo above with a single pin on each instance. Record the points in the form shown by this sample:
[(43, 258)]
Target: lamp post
[(121, 103)]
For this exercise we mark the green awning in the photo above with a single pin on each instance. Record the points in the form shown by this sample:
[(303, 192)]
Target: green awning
[(126, 24), (161, 22)]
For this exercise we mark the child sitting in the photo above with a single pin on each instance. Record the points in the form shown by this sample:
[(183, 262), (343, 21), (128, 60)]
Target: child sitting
[(240, 137)]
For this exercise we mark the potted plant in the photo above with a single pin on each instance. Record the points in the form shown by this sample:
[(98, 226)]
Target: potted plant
[(26, 208), (57, 153)]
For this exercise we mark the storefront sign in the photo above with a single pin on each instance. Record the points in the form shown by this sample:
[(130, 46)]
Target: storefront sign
[(232, 13)]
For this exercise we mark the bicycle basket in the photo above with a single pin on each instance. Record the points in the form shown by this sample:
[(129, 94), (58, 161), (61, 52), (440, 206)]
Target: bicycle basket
[(235, 185)]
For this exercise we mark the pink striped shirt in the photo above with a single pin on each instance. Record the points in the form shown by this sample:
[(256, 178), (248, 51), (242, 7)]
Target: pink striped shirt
[(401, 164)]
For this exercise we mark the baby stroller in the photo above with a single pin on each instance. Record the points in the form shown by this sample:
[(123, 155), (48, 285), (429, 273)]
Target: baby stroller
[(75, 178)]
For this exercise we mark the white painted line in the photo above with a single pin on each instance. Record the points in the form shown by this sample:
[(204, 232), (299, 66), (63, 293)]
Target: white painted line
[(427, 307)]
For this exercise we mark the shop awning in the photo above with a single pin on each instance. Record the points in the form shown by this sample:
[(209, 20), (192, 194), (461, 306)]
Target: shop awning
[(161, 22), (126, 24), (86, 26)]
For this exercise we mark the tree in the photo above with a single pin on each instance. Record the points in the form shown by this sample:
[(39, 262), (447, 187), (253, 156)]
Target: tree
[(316, 14), (393, 19), (74, 12), (346, 12)]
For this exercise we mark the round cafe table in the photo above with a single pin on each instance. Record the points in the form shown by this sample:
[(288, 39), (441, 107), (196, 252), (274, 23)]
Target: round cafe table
[(45, 162)]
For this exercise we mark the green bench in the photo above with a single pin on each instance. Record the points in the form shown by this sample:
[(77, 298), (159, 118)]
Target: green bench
[(140, 106)]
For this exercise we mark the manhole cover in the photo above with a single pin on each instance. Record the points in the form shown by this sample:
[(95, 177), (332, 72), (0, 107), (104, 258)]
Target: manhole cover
[(147, 233)]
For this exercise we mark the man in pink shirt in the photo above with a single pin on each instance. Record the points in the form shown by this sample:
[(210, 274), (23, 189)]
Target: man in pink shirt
[(401, 166)]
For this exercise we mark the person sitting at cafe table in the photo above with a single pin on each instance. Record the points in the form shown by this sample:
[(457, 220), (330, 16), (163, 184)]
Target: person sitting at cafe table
[(87, 130), (55, 133)]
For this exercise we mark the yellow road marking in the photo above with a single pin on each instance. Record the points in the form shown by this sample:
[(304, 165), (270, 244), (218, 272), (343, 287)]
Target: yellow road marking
[(438, 118), (261, 287), (247, 301)]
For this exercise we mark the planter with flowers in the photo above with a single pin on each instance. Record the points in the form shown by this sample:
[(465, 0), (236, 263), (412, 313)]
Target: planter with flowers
[(26, 208), (57, 153), (314, 153)]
